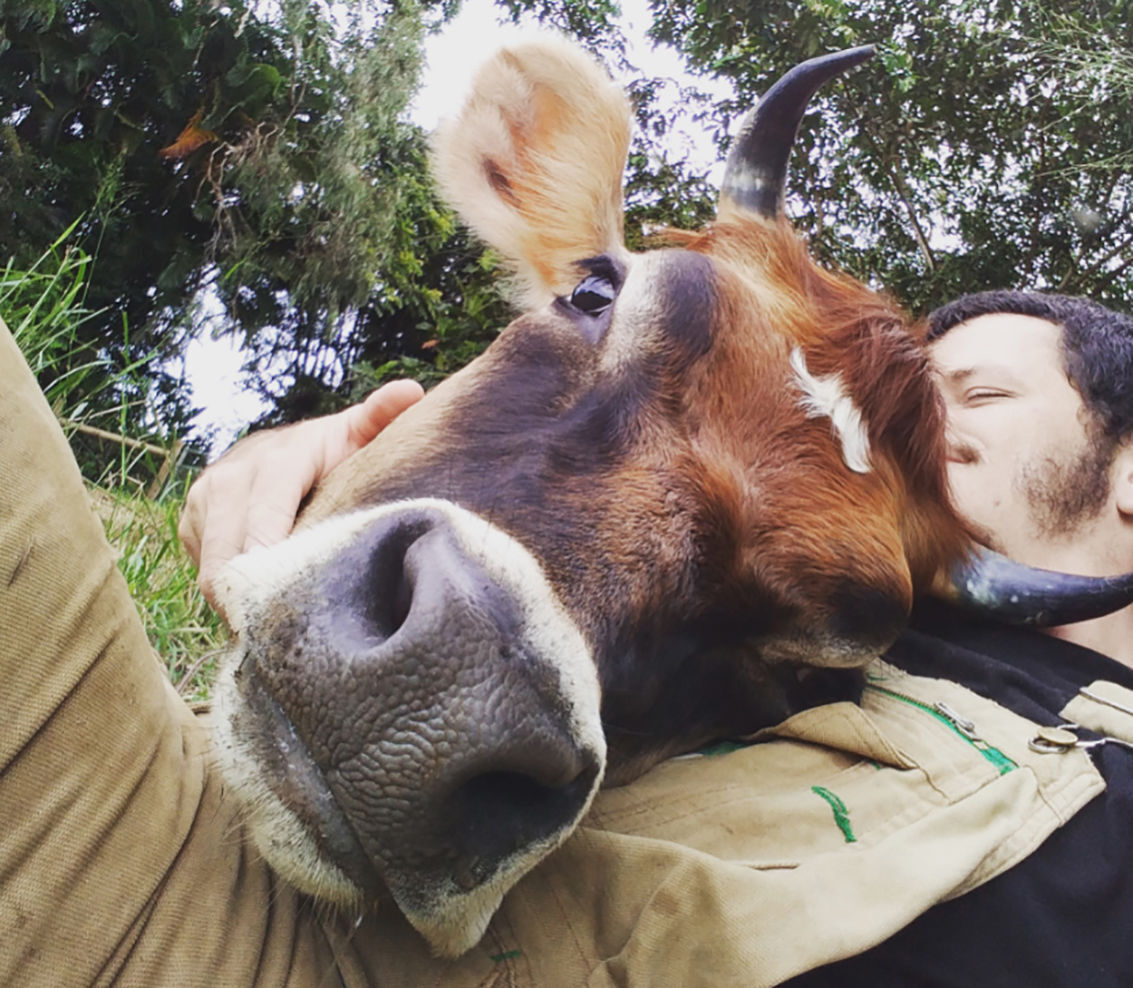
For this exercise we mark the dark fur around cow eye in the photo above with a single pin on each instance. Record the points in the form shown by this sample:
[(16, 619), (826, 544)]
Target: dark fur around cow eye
[(593, 295)]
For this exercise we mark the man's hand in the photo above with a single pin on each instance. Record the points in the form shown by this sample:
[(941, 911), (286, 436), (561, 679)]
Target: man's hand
[(251, 495)]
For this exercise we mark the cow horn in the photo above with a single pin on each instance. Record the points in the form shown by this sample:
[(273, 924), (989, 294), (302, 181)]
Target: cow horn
[(756, 172), (1008, 591)]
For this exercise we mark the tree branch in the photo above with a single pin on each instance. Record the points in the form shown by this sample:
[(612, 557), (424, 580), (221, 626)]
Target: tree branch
[(906, 200), (1096, 267)]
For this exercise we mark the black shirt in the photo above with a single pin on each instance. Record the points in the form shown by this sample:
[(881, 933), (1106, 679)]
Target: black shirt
[(1064, 915)]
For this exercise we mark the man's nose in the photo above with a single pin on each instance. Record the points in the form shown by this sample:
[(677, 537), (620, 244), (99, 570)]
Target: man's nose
[(959, 449)]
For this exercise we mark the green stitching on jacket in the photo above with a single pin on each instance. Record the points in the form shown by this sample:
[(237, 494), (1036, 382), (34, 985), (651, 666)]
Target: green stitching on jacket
[(841, 814), (997, 758)]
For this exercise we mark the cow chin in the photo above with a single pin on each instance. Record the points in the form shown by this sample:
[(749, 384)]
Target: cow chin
[(407, 712)]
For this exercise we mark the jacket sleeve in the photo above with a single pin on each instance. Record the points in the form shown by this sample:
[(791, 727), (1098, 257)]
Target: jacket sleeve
[(119, 858)]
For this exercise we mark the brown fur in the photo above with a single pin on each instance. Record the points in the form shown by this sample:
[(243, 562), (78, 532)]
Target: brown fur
[(779, 298), (718, 485)]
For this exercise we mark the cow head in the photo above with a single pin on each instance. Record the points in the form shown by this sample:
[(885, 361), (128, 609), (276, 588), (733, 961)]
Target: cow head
[(686, 494)]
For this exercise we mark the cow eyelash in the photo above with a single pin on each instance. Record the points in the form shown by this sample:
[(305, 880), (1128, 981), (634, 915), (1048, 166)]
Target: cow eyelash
[(594, 294), (601, 282)]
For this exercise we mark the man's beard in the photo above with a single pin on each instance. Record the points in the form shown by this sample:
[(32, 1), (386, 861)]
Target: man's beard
[(1065, 493)]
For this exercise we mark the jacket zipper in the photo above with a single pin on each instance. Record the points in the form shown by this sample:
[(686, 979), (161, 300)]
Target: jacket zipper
[(959, 724)]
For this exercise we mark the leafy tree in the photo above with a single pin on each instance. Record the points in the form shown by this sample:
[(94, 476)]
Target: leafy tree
[(256, 150), (969, 155)]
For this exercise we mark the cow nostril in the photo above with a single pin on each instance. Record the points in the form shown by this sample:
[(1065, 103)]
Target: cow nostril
[(393, 607), (390, 583), (471, 758), (504, 812)]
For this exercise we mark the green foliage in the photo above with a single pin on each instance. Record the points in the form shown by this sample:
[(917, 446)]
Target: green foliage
[(592, 22), (425, 330), (186, 634), (662, 189), (319, 200), (93, 91), (256, 150), (43, 306)]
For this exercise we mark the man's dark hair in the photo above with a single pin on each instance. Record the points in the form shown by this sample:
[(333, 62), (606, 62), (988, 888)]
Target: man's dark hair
[(1097, 346)]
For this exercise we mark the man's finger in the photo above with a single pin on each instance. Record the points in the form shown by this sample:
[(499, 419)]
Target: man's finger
[(209, 523), (275, 493), (222, 537), (188, 529), (365, 421)]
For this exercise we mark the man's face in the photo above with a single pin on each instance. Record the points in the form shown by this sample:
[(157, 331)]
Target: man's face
[(1024, 465)]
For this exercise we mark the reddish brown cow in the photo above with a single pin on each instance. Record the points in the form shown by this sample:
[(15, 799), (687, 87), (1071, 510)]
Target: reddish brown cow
[(686, 494)]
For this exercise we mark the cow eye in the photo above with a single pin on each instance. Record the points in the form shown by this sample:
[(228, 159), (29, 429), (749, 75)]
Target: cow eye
[(593, 295)]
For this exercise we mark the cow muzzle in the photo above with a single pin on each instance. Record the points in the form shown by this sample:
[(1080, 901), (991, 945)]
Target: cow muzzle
[(408, 709)]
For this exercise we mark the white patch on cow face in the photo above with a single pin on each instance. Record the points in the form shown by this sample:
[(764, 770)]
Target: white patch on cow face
[(638, 314), (827, 396), (276, 831), (453, 920)]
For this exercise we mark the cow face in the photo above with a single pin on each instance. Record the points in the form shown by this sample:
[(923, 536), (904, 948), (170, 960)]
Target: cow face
[(686, 494)]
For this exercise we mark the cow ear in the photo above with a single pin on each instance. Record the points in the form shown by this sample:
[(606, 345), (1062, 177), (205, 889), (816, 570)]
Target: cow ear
[(535, 159)]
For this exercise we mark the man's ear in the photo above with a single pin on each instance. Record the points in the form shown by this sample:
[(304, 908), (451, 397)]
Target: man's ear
[(1123, 478)]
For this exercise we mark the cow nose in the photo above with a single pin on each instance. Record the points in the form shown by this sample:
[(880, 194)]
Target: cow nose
[(444, 730)]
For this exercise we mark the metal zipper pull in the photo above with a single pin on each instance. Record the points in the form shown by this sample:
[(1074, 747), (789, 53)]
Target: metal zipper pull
[(967, 729), (960, 722)]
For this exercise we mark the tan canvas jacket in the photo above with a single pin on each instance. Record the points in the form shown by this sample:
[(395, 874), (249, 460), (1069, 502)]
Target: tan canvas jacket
[(123, 861)]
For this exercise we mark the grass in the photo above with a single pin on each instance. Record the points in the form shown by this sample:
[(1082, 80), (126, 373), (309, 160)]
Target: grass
[(44, 306), (184, 631)]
